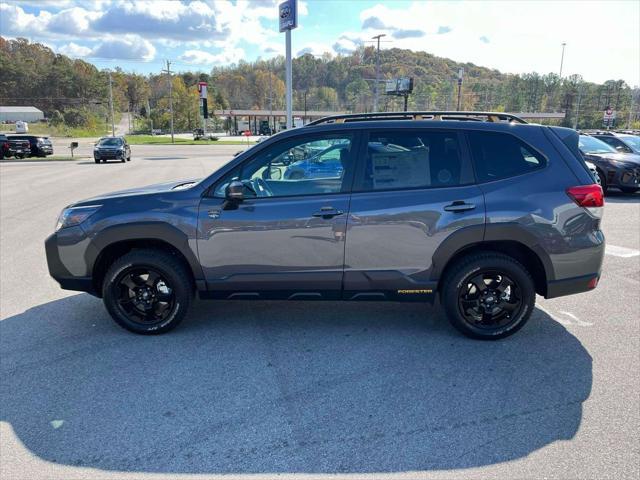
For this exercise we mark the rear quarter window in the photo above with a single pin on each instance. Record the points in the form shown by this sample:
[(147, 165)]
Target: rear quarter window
[(501, 155)]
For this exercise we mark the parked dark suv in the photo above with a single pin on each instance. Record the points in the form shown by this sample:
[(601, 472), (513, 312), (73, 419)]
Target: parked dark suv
[(614, 169), (4, 146), (484, 214), (39, 146)]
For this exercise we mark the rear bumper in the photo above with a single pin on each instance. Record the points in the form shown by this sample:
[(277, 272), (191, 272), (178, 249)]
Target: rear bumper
[(569, 286)]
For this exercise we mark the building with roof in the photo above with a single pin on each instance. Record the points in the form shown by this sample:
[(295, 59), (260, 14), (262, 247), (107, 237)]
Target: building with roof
[(15, 113)]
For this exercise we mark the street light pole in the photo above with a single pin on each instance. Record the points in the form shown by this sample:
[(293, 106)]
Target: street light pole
[(564, 44), (375, 98)]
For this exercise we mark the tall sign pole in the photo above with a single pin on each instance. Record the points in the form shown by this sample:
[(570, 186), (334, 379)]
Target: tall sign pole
[(288, 16)]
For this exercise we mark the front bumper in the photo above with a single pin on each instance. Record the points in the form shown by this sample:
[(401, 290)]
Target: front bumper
[(44, 150), (628, 177), (108, 155), (67, 251)]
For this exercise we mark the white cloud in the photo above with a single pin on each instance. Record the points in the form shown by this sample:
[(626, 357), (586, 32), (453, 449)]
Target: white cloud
[(73, 50), (314, 48), (523, 36), (125, 47), (200, 57)]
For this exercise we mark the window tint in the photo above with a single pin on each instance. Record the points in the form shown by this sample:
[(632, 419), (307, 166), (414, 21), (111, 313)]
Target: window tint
[(615, 143), (296, 167), (500, 155), (400, 159)]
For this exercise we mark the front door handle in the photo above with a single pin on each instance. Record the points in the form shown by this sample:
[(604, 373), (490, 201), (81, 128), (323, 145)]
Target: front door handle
[(328, 212), (459, 206)]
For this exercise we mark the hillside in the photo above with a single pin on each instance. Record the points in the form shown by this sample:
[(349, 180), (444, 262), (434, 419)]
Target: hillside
[(74, 93)]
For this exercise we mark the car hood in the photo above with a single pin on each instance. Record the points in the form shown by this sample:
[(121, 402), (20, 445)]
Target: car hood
[(620, 157), (150, 189)]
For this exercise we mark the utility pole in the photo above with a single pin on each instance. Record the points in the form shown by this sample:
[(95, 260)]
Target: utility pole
[(149, 115), (564, 44), (375, 98), (304, 121), (575, 122), (168, 72), (113, 126), (271, 131), (460, 73)]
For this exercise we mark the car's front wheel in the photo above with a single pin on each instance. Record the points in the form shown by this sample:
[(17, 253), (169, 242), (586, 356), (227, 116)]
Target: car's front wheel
[(488, 296), (602, 180), (147, 291)]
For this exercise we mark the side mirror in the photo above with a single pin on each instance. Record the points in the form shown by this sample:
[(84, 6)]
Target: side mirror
[(234, 191)]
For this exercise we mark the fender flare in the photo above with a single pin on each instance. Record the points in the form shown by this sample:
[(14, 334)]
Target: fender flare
[(476, 235), (161, 231)]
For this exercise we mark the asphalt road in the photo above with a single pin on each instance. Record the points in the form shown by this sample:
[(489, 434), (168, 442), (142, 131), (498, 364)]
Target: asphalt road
[(300, 389)]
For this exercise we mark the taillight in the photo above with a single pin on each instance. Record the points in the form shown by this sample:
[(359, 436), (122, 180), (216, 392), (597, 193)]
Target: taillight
[(587, 196)]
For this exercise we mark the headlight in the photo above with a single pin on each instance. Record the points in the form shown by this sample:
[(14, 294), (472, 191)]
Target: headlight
[(75, 216)]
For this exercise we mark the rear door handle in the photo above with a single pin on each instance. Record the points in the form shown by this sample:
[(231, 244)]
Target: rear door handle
[(328, 212), (459, 206)]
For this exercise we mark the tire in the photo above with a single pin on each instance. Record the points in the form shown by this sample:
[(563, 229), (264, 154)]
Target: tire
[(123, 160), (603, 181), (96, 160), (129, 158), (629, 189), (126, 304), (459, 292)]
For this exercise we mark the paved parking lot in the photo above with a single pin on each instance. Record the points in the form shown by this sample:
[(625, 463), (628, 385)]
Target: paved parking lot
[(303, 389)]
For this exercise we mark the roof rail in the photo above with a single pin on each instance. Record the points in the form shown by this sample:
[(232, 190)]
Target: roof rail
[(426, 115)]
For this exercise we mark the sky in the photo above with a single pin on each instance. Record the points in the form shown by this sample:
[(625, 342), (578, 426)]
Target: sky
[(517, 36)]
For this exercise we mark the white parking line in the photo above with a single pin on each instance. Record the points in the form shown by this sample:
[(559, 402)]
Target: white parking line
[(623, 252)]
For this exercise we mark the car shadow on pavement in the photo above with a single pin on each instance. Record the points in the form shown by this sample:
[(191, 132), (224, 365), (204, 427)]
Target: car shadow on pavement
[(621, 197), (268, 387)]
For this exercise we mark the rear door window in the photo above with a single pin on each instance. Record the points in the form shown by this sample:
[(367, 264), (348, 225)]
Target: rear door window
[(500, 155), (400, 159)]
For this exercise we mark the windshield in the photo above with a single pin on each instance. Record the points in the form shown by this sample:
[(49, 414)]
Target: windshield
[(593, 145), (632, 140), (110, 142)]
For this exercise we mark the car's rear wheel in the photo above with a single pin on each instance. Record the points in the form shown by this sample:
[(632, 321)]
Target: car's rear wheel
[(147, 291), (488, 296)]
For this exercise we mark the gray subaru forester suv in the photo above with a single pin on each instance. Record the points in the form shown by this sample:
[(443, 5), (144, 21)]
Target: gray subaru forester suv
[(478, 208)]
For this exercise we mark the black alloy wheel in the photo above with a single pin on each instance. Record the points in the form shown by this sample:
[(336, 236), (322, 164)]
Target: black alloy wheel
[(489, 300), (144, 295), (488, 295), (148, 291)]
